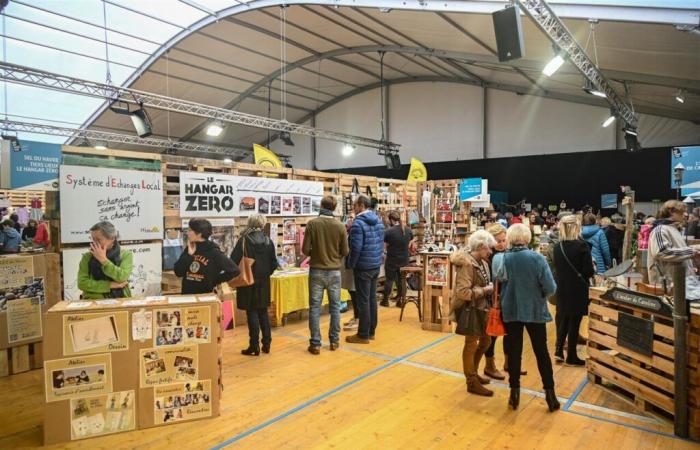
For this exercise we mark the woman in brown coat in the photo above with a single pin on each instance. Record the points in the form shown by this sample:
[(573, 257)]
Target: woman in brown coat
[(471, 299)]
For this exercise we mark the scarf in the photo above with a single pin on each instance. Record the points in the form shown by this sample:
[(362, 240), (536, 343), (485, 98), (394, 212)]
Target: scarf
[(325, 212), (96, 273)]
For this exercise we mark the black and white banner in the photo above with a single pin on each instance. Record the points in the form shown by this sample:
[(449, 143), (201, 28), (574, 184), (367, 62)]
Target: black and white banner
[(221, 195)]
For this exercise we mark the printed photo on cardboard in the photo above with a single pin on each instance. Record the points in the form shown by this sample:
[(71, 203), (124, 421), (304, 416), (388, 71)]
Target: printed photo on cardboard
[(168, 365), (182, 401), (102, 414), (76, 377), (91, 333), (31, 287)]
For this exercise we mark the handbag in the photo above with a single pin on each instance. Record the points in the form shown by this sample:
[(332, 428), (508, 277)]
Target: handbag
[(494, 323), (245, 277)]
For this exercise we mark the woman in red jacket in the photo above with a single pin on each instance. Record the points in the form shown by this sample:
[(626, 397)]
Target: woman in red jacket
[(42, 237)]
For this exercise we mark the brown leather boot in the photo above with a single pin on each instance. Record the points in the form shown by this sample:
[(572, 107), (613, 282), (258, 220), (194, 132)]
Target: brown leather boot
[(476, 388), (478, 354), (491, 371)]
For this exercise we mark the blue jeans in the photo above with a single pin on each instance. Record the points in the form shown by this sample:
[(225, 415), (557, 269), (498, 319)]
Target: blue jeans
[(366, 298), (320, 281)]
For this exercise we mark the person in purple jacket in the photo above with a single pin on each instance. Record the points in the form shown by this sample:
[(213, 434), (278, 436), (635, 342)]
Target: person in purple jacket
[(366, 252)]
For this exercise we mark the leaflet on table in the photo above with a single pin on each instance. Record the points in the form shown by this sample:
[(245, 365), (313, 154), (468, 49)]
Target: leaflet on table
[(180, 300), (102, 414), (176, 326), (79, 376), (95, 332), (78, 305), (182, 401), (168, 365)]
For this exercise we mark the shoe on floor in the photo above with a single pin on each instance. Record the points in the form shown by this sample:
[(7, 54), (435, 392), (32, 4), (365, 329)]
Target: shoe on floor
[(371, 338), (476, 388), (314, 350), (251, 351), (356, 339), (575, 361), (559, 356), (491, 371), (350, 322), (334, 346), (384, 303), (482, 380)]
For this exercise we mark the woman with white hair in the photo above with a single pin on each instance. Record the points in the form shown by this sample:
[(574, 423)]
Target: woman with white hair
[(526, 283), (471, 299), (255, 299)]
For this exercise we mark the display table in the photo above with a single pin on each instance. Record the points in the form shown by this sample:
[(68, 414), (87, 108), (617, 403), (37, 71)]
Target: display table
[(289, 292), (30, 283), (632, 348), (112, 366), (437, 282)]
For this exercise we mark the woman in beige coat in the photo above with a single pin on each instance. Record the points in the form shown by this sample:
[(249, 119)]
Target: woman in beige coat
[(471, 299)]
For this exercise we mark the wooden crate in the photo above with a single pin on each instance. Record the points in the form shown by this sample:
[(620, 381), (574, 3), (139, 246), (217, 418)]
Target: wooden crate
[(22, 358), (20, 199), (647, 381)]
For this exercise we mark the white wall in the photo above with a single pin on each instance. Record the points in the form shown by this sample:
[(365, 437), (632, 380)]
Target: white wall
[(443, 122)]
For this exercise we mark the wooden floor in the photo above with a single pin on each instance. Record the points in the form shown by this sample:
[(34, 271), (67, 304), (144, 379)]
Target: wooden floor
[(405, 390)]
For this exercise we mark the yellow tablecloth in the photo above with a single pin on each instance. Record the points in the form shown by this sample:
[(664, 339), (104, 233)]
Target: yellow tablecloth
[(291, 293)]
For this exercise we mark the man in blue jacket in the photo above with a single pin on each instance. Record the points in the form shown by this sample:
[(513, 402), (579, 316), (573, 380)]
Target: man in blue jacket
[(9, 237), (366, 252)]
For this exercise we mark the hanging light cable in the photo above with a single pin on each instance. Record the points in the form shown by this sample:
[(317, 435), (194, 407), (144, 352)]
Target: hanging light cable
[(108, 77)]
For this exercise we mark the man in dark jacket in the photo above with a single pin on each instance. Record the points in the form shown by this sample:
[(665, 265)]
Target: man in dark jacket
[(326, 243), (366, 251)]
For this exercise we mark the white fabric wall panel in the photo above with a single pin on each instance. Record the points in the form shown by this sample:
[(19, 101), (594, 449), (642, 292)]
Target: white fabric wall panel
[(436, 121), (657, 131), (520, 125)]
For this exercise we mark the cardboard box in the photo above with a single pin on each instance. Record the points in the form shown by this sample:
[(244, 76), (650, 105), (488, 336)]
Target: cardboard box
[(167, 366), (44, 265)]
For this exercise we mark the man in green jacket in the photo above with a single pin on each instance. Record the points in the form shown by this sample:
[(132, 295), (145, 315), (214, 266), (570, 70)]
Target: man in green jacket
[(105, 270)]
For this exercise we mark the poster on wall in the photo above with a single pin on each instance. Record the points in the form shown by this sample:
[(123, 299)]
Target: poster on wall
[(132, 200), (23, 319), (16, 271), (689, 158), (223, 234), (29, 165), (436, 274), (168, 365), (608, 201), (95, 332), (102, 414), (182, 401), (145, 277), (221, 195), (76, 377)]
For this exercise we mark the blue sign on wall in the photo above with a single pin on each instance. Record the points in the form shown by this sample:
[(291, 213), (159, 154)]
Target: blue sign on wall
[(33, 167), (469, 188), (608, 201), (689, 157)]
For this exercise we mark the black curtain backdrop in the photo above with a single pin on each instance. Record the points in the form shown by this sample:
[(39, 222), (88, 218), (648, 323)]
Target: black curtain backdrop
[(578, 178)]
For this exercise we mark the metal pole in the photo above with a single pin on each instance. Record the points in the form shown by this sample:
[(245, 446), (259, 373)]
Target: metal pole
[(680, 352)]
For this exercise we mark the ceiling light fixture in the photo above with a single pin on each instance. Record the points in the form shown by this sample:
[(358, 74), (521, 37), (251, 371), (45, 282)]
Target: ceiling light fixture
[(215, 128), (286, 138), (139, 118), (589, 88), (553, 65), (680, 96), (101, 146), (348, 149), (631, 141), (610, 119), (228, 160)]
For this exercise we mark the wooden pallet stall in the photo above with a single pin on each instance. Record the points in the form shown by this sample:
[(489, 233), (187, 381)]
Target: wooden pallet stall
[(645, 380), (19, 199)]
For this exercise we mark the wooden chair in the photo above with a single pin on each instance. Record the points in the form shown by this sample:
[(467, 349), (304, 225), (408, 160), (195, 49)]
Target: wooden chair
[(405, 299)]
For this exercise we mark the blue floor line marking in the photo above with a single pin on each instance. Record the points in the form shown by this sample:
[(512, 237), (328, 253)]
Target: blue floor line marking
[(631, 425), (577, 392), (317, 399)]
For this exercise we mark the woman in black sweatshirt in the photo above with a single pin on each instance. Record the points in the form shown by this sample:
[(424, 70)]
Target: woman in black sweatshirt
[(203, 266)]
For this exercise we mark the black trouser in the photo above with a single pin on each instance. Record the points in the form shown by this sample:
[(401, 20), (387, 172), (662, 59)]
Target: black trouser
[(366, 295), (514, 346), (568, 328), (257, 320), (355, 312), (392, 275), (490, 351)]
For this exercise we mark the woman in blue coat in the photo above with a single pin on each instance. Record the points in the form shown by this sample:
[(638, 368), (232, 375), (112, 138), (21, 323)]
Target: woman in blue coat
[(595, 236), (526, 282)]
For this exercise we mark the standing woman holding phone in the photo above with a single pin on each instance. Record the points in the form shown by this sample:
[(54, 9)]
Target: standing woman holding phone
[(105, 270)]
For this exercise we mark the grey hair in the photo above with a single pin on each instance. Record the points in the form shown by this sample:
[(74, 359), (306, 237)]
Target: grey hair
[(256, 221), (480, 239), (106, 228)]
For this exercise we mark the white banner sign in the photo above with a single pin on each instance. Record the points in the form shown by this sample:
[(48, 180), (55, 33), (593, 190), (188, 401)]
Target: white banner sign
[(221, 195), (131, 199), (145, 277)]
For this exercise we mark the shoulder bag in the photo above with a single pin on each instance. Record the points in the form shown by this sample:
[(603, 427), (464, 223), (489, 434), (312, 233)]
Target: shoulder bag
[(494, 325), (245, 277)]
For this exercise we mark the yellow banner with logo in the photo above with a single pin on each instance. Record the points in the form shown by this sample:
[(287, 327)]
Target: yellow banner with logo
[(417, 172), (265, 157)]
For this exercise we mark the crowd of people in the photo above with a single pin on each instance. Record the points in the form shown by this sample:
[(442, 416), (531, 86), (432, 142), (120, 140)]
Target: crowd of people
[(14, 235)]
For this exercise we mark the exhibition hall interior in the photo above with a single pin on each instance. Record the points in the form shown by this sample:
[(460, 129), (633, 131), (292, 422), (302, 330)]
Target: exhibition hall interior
[(396, 224)]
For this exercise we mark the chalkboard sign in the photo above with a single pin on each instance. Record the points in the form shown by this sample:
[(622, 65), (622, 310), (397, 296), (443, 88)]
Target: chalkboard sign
[(635, 333), (639, 300)]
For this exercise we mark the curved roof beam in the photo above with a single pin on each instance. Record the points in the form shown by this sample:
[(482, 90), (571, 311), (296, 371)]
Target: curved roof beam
[(670, 16)]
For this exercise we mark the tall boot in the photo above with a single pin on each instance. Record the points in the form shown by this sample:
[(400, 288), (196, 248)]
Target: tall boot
[(491, 371), (478, 354), (551, 399), (476, 388)]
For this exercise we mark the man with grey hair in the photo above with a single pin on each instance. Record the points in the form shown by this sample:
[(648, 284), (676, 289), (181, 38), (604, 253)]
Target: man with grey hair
[(326, 243), (366, 252)]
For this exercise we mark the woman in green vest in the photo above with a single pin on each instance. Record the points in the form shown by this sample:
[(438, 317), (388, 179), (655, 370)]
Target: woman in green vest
[(105, 270)]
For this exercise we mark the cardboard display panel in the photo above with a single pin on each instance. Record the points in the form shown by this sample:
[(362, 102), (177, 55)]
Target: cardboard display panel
[(143, 384), (29, 285)]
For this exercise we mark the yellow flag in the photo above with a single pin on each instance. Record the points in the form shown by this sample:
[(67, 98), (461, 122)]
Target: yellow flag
[(417, 172), (265, 157)]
